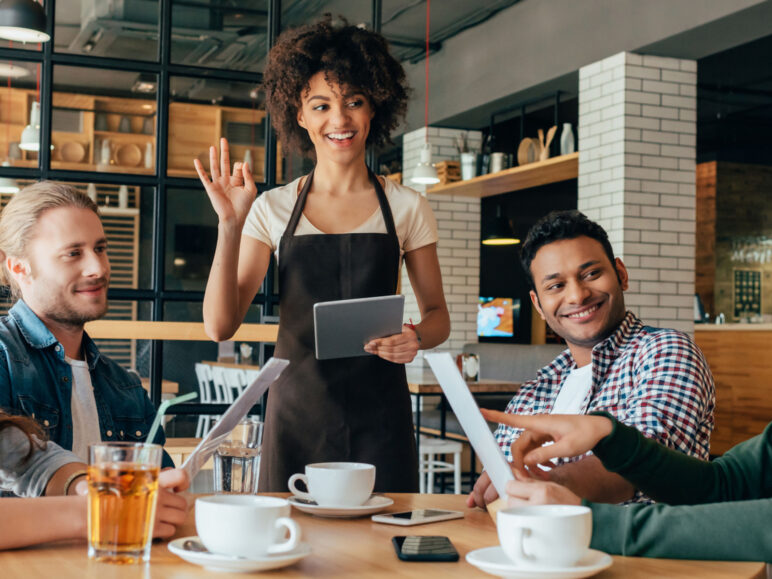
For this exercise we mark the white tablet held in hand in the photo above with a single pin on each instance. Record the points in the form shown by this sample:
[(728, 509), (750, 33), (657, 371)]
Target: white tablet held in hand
[(343, 327)]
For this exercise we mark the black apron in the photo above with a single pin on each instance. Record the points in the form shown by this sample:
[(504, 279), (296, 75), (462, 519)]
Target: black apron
[(351, 409)]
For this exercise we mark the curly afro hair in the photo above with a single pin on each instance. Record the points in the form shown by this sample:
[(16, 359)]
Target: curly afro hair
[(349, 56)]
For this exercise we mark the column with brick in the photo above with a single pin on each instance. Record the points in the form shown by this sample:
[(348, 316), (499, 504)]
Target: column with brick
[(458, 222), (637, 152)]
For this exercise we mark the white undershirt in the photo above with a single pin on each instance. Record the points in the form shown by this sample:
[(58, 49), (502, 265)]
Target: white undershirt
[(85, 419), (575, 388)]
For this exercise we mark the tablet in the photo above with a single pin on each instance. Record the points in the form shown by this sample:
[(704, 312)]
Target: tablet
[(476, 429), (343, 327)]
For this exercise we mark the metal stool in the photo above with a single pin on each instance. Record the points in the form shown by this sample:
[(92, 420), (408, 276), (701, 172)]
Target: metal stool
[(429, 464)]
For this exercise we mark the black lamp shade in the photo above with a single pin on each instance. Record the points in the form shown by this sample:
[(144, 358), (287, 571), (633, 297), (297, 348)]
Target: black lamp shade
[(23, 21), (501, 233)]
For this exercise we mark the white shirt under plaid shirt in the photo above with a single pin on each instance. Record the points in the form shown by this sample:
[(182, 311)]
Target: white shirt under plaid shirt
[(653, 379)]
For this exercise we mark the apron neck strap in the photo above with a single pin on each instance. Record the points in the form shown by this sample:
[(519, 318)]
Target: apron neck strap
[(300, 204)]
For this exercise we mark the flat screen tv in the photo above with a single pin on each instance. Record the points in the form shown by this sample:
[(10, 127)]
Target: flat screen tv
[(497, 317)]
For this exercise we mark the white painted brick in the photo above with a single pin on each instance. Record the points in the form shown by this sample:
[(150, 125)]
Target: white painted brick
[(630, 235), (677, 151), (643, 148), (658, 312), (687, 140), (686, 264), (454, 243), (687, 239), (632, 185), (591, 69), (659, 187), (612, 161), (689, 65), (454, 279), (687, 214), (633, 160), (452, 298), (465, 253), (683, 323), (659, 287), (641, 249), (687, 165), (659, 162), (678, 275), (643, 198), (679, 102), (642, 173), (658, 263), (688, 116), (689, 189), (601, 78), (631, 134), (662, 88), (688, 90), (664, 212), (676, 250), (444, 252), (633, 84), (649, 123), (645, 98), (661, 62), (465, 216), (659, 112), (641, 299), (613, 86), (642, 72), (680, 77), (677, 176), (632, 260), (680, 226), (465, 235), (677, 126), (686, 289), (659, 137)]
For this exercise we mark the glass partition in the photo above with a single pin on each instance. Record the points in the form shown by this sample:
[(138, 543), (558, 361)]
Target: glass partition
[(20, 116)]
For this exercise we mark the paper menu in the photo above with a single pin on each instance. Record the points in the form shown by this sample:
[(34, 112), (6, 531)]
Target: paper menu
[(237, 411), (476, 429)]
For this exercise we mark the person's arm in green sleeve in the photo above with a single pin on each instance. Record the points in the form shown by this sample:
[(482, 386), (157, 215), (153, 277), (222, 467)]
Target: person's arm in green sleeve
[(743, 473), (733, 531)]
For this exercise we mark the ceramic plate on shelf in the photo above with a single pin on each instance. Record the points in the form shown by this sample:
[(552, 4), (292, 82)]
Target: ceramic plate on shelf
[(528, 151), (191, 550), (72, 152), (129, 155), (494, 561), (373, 505)]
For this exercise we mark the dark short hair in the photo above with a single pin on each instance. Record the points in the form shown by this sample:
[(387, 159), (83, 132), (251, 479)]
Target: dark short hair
[(558, 225), (349, 56)]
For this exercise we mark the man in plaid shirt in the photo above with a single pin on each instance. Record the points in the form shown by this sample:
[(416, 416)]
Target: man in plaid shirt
[(654, 379)]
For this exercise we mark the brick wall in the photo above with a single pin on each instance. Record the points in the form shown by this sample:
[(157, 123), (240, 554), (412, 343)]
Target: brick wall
[(637, 149), (458, 222)]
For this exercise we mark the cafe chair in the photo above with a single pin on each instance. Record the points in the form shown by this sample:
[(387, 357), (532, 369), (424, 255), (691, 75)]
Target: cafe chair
[(205, 396), (222, 390), (235, 380), (431, 450)]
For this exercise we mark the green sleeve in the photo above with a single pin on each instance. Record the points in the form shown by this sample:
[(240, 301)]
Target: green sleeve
[(734, 531), (743, 473)]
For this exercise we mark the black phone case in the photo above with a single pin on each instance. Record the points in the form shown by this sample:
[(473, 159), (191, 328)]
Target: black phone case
[(426, 557)]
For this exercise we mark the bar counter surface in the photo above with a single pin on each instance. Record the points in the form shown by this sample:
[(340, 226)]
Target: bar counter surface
[(347, 548)]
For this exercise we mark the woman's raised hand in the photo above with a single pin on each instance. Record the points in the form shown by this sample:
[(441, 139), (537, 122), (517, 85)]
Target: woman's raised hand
[(231, 193)]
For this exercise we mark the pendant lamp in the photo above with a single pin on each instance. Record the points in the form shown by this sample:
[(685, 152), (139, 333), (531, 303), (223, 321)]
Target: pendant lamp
[(23, 21), (425, 173), (30, 136), (502, 233)]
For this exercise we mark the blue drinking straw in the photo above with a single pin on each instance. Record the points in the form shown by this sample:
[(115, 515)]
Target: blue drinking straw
[(162, 409)]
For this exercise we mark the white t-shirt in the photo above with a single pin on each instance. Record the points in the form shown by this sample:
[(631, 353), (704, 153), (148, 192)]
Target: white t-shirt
[(413, 218), (85, 419), (575, 388)]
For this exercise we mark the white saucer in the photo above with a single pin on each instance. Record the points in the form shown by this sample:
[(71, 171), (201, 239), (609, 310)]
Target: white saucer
[(493, 560), (214, 562), (374, 504)]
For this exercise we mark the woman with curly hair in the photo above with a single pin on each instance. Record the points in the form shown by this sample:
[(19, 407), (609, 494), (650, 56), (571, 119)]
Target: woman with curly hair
[(337, 233)]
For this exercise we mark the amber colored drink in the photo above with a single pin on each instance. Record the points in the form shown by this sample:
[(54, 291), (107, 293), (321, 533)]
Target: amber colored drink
[(121, 510)]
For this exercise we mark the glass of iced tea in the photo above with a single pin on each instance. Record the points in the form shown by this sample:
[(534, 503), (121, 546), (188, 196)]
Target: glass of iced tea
[(122, 497)]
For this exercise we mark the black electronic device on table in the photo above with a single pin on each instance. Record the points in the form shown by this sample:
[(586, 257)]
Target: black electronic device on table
[(424, 548)]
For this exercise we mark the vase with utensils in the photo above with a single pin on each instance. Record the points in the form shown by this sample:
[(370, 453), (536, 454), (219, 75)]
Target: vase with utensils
[(544, 153)]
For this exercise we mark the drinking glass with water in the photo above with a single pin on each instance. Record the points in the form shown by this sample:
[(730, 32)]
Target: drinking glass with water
[(237, 459)]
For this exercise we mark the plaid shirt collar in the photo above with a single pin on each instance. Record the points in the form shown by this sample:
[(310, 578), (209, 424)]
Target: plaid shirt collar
[(603, 353)]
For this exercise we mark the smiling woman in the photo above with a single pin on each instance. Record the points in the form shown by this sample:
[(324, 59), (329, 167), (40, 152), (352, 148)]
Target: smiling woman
[(339, 232)]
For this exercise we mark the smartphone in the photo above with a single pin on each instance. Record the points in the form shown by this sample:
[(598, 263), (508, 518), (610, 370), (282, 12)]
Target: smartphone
[(424, 548), (417, 517)]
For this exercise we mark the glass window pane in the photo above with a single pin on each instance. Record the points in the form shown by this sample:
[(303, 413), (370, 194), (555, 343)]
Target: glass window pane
[(103, 129), (217, 34), (203, 111), (20, 114), (125, 29), (291, 165), (129, 354)]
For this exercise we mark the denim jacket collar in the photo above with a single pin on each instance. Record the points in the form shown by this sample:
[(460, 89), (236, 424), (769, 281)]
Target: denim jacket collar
[(38, 336)]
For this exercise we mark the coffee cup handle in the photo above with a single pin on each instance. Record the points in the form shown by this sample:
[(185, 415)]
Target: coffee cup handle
[(522, 533), (294, 536), (296, 491)]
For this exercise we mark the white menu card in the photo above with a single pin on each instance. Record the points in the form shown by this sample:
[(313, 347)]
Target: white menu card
[(465, 408), (237, 411)]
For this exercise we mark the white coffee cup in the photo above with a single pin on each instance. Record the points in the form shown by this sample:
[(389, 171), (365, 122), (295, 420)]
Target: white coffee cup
[(245, 526), (545, 535), (335, 484)]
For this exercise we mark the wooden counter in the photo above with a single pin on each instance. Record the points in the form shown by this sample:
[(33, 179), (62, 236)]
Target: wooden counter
[(740, 359), (348, 548)]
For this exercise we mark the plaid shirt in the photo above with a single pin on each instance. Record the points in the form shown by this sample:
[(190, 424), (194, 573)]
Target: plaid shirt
[(653, 379)]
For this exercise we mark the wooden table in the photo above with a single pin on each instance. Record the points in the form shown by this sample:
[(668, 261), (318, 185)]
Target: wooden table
[(232, 365), (352, 548), (167, 386)]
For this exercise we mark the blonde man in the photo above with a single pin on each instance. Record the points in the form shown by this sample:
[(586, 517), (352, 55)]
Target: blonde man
[(54, 253)]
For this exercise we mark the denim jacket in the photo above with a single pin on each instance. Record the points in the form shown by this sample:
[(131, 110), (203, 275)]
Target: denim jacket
[(36, 381)]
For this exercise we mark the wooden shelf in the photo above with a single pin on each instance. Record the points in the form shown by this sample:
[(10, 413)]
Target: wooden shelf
[(532, 175), (120, 135)]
